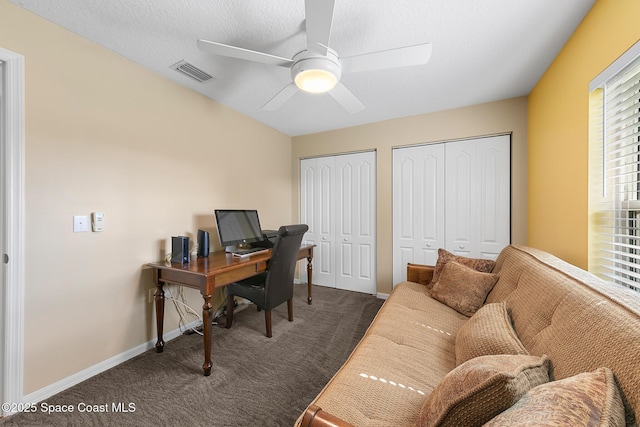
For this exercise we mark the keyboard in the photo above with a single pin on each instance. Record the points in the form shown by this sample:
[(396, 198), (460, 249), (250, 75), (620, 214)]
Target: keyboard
[(247, 252)]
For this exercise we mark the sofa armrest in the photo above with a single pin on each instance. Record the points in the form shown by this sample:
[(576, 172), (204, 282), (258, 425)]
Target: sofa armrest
[(314, 416), (420, 273)]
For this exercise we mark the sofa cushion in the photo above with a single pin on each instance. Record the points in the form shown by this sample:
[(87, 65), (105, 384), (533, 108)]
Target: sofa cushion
[(478, 390), (487, 332), (444, 256), (463, 288), (590, 398), (579, 321), (406, 351)]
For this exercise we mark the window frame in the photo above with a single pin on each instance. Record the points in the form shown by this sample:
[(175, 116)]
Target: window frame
[(614, 169)]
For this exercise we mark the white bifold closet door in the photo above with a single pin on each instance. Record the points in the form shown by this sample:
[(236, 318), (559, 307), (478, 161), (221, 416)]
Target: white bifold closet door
[(418, 206), (337, 202), (454, 195)]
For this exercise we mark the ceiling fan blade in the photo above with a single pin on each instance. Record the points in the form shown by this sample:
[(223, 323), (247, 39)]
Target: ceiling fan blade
[(281, 97), (346, 99), (241, 53), (319, 14), (393, 58)]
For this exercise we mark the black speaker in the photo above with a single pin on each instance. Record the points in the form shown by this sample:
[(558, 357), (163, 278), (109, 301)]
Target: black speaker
[(180, 249), (203, 243)]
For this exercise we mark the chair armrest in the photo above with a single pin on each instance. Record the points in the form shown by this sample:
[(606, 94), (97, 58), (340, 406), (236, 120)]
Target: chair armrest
[(314, 416), (420, 273)]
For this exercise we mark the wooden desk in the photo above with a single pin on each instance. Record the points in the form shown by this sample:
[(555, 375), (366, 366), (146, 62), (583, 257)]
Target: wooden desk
[(207, 275)]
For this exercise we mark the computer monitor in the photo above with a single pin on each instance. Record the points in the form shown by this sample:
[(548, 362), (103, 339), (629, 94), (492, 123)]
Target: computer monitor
[(238, 227)]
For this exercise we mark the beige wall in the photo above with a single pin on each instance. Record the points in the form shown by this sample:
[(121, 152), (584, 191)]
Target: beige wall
[(105, 134), (509, 116), (559, 125)]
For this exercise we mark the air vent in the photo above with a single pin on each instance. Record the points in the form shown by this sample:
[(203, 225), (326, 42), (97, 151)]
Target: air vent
[(192, 71)]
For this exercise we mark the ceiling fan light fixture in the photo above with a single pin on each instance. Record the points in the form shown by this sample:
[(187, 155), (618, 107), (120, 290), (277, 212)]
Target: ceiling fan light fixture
[(316, 74), (316, 81)]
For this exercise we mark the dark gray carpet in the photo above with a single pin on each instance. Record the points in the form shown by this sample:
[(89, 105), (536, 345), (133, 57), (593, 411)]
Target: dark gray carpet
[(255, 381)]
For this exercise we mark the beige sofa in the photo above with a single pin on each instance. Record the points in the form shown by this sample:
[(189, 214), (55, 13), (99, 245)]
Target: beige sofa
[(569, 319)]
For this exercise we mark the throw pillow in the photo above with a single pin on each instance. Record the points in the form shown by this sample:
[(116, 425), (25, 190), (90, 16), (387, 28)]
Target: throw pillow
[(487, 332), (478, 390), (463, 288), (444, 256), (590, 398)]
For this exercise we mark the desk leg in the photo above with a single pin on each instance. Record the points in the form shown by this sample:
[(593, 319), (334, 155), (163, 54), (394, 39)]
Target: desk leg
[(206, 331), (309, 277), (159, 298)]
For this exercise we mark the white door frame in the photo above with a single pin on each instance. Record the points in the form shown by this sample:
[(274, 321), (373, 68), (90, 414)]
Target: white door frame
[(12, 227)]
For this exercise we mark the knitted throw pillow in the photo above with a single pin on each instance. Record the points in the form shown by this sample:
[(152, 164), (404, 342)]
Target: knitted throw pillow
[(478, 390), (444, 256), (590, 398), (463, 288), (487, 332)]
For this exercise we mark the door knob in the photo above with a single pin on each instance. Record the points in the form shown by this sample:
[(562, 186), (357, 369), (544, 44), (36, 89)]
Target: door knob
[(461, 246)]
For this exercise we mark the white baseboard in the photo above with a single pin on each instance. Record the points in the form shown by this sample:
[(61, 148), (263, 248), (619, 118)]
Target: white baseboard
[(57, 387)]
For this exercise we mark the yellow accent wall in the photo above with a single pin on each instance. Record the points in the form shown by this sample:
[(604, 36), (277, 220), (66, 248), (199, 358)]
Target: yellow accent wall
[(559, 129)]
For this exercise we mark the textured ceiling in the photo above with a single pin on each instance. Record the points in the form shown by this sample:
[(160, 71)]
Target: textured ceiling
[(483, 50)]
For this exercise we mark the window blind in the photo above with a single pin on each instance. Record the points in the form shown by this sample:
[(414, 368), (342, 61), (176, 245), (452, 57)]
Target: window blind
[(619, 222)]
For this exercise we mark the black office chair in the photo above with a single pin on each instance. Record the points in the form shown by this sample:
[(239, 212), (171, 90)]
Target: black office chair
[(270, 289)]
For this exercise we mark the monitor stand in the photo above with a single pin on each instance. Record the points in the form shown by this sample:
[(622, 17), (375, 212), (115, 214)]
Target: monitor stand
[(240, 247)]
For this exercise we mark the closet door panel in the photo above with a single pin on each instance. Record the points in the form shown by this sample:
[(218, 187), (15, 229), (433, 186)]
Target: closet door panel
[(326, 211), (325, 196), (356, 211), (494, 212), (337, 201), (317, 210), (345, 239), (366, 264), (346, 261), (418, 206), (366, 224), (405, 186), (458, 198), (405, 195), (461, 197), (401, 257), (432, 181)]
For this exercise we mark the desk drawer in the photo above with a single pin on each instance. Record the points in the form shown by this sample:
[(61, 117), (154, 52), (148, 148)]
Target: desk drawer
[(239, 273)]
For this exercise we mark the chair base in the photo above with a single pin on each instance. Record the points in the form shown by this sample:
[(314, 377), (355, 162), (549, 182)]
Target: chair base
[(267, 314)]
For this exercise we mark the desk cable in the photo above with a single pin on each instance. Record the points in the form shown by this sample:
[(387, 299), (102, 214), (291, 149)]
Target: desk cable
[(184, 310)]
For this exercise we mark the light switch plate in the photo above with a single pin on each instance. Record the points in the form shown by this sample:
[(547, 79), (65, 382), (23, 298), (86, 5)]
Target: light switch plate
[(80, 223), (97, 221)]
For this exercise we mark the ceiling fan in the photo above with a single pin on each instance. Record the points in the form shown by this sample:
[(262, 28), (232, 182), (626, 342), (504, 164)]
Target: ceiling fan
[(318, 68)]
